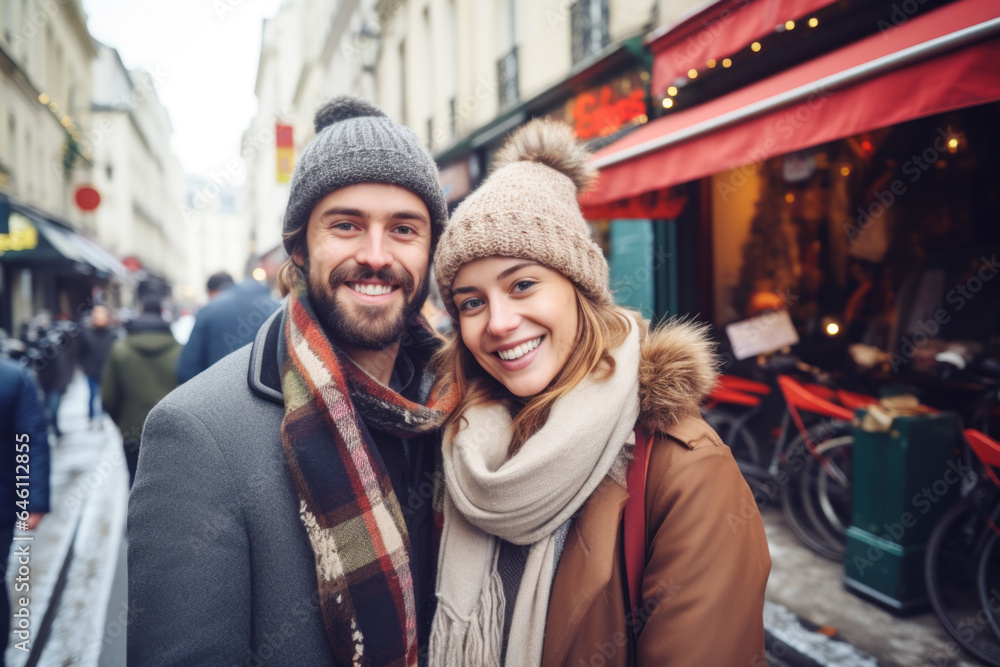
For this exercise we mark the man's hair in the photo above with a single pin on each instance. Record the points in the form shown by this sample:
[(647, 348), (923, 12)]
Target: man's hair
[(218, 281), (296, 239)]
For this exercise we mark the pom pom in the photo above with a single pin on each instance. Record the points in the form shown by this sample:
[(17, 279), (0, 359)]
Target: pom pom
[(553, 144), (344, 107)]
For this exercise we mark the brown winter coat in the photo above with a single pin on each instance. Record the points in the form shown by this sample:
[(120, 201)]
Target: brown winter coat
[(707, 557)]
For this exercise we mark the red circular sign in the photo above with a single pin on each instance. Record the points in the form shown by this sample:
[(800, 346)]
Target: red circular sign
[(87, 198)]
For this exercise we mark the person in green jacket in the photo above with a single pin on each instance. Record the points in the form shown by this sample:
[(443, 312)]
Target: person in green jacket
[(141, 370)]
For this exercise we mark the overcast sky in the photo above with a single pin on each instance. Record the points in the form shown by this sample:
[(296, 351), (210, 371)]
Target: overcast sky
[(204, 55)]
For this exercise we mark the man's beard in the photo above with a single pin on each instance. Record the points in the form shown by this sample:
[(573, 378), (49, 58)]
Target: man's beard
[(364, 327)]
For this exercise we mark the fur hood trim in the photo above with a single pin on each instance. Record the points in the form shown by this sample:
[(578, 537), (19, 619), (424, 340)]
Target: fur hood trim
[(677, 370)]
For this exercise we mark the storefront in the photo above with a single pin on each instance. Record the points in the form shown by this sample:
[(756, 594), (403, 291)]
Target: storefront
[(602, 102), (853, 189), (45, 265)]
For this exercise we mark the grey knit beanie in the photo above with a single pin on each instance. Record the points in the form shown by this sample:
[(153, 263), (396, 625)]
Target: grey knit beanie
[(356, 142), (528, 209)]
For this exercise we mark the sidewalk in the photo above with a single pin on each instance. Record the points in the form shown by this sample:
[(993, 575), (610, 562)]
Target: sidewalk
[(805, 584), (76, 553)]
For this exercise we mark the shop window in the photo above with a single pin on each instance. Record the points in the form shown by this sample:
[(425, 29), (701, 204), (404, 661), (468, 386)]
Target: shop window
[(876, 240)]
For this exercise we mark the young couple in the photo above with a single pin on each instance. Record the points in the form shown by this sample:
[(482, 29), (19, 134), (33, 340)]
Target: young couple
[(348, 490)]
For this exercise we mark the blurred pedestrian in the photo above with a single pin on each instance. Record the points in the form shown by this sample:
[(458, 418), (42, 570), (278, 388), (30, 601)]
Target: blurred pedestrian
[(24, 441), (287, 492), (141, 370), (95, 345), (226, 324), (218, 283), (52, 358)]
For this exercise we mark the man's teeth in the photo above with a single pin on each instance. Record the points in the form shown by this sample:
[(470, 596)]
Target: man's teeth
[(371, 290), (520, 350)]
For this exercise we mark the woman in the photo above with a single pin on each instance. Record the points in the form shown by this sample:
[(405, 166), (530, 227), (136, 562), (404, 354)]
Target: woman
[(551, 380)]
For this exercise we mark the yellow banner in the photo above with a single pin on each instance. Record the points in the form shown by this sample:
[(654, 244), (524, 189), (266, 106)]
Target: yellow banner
[(286, 162)]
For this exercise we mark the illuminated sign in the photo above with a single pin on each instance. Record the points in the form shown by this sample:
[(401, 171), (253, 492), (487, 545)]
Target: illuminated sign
[(22, 235), (606, 109)]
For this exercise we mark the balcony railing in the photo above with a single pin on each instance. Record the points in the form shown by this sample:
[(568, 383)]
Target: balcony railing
[(507, 78), (589, 21)]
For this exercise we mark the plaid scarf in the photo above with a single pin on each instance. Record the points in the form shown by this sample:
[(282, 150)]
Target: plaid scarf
[(351, 514)]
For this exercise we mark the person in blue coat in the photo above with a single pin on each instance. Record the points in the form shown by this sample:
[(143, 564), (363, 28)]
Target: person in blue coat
[(225, 325), (25, 447)]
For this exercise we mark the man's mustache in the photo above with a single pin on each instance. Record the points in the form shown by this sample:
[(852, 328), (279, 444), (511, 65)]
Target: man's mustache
[(349, 274)]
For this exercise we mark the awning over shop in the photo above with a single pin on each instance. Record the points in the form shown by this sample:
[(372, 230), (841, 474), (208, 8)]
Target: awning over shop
[(944, 60), (36, 240), (716, 31)]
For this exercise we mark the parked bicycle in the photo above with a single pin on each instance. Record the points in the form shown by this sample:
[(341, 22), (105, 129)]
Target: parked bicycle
[(810, 472), (962, 564)]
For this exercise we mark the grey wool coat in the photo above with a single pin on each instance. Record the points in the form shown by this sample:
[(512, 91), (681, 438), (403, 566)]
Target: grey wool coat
[(220, 570)]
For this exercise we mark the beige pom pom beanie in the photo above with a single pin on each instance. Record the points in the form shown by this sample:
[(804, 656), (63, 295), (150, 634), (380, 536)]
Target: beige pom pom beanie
[(528, 209)]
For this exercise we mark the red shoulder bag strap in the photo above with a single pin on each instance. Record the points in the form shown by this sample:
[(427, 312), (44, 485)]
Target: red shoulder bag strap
[(635, 528)]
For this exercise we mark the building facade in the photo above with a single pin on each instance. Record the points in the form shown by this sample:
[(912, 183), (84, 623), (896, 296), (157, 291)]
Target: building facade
[(138, 176)]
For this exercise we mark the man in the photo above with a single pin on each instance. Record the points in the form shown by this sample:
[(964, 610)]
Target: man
[(25, 446), (217, 283), (141, 370), (95, 345), (283, 508), (227, 323)]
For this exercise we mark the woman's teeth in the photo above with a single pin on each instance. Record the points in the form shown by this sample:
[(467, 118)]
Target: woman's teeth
[(371, 290), (520, 350)]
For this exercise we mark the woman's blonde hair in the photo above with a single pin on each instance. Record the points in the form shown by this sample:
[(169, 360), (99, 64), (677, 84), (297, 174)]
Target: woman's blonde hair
[(601, 328)]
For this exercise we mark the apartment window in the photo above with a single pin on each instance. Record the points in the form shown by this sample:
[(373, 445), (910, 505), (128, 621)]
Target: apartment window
[(402, 81), (15, 167), (589, 21), (429, 70), (450, 75), (452, 118), (507, 65)]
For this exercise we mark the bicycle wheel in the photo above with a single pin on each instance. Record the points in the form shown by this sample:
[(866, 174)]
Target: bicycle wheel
[(825, 487), (953, 554), (989, 582), (792, 498)]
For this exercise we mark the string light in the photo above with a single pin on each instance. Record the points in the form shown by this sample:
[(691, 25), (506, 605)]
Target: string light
[(672, 90), (755, 47), (711, 63), (692, 74), (789, 25), (43, 98), (667, 103), (845, 171), (726, 62), (789, 197), (953, 145), (813, 22)]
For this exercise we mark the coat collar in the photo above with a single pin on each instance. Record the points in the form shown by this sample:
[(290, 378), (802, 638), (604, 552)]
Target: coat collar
[(585, 567), (264, 375)]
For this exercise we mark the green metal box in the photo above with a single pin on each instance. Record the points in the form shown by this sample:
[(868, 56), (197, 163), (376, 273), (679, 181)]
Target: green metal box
[(903, 481)]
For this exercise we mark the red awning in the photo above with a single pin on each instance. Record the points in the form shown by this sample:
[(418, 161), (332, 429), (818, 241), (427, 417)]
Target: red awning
[(717, 31), (944, 60)]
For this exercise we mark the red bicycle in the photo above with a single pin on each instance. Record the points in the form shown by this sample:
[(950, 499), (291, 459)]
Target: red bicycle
[(962, 565), (810, 473)]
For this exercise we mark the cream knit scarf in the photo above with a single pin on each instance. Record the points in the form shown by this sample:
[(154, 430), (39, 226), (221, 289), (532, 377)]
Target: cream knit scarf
[(523, 500)]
